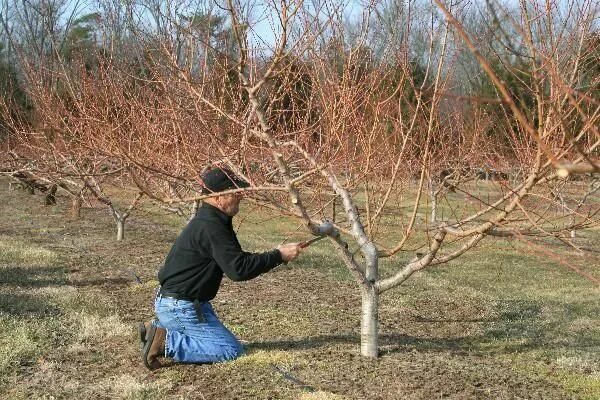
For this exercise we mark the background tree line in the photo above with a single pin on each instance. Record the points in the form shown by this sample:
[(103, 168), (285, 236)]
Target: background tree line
[(62, 35)]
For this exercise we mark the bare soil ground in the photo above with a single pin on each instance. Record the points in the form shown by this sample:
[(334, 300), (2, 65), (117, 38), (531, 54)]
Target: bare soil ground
[(498, 324)]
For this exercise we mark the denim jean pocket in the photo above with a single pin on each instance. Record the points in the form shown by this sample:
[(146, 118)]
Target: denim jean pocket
[(188, 317), (167, 313)]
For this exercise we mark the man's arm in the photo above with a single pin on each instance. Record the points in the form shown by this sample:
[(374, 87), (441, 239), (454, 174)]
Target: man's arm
[(239, 265)]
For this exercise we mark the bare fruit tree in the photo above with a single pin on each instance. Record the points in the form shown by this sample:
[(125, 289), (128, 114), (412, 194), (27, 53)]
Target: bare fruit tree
[(354, 118)]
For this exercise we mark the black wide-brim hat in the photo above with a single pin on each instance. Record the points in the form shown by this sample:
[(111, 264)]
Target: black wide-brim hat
[(220, 179)]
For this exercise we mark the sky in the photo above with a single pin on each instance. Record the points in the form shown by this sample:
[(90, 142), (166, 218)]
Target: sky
[(266, 25)]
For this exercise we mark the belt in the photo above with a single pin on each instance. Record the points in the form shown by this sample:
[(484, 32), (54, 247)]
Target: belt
[(174, 295), (197, 303)]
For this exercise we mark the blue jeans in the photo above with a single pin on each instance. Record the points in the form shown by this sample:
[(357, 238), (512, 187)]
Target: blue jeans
[(191, 341)]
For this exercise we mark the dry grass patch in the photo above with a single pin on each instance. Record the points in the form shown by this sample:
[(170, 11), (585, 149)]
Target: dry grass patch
[(263, 358), (129, 387), (320, 395), (93, 328), (16, 252), (20, 341), (581, 364), (143, 287)]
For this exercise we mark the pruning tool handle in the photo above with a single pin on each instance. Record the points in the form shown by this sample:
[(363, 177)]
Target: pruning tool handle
[(307, 243)]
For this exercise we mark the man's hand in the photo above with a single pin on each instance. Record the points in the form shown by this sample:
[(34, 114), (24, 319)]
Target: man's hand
[(289, 251)]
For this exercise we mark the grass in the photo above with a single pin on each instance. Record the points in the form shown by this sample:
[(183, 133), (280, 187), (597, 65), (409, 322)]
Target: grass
[(20, 342), (24, 254), (500, 322)]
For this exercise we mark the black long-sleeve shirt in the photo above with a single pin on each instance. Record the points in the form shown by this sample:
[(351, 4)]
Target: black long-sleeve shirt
[(205, 249)]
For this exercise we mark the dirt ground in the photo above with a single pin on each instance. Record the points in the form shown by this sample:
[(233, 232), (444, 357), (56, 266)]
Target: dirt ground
[(496, 325)]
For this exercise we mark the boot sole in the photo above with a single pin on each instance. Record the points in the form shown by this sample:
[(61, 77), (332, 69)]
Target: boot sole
[(142, 332), (146, 347)]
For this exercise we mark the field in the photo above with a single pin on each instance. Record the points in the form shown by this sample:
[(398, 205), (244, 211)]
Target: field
[(498, 323)]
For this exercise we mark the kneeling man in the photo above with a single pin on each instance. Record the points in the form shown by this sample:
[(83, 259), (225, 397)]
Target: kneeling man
[(187, 329)]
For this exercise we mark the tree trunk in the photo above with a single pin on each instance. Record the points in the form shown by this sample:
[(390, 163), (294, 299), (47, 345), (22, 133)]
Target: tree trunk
[(76, 207), (369, 329), (369, 326), (195, 207), (50, 198), (120, 229), (433, 194), (28, 188), (573, 233)]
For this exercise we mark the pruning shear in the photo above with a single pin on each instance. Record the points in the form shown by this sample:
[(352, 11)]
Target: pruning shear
[(307, 243)]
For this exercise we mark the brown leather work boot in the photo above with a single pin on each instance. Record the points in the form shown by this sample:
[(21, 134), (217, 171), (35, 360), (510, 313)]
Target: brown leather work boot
[(154, 347), (143, 328)]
